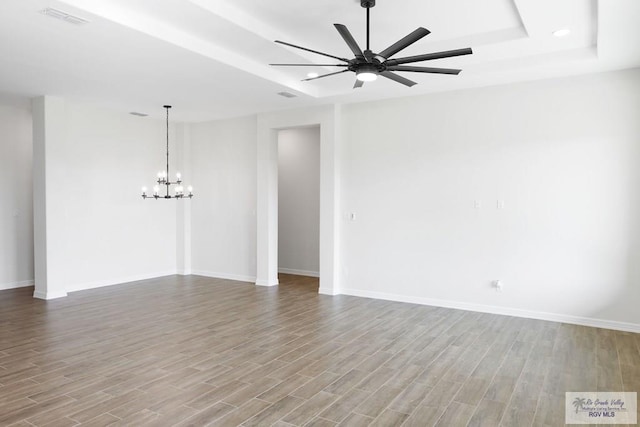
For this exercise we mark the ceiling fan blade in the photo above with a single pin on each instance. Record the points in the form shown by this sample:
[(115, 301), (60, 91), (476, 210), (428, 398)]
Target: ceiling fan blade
[(430, 56), (348, 38), (404, 42), (312, 51), (325, 75), (358, 84), (397, 78), (424, 69), (309, 65)]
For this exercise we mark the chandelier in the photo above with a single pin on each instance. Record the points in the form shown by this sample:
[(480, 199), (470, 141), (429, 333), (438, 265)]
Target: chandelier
[(163, 179)]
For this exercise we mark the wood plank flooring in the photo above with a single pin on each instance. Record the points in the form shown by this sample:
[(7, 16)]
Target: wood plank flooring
[(191, 351)]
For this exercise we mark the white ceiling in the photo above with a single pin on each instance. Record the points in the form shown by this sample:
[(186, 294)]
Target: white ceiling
[(209, 58)]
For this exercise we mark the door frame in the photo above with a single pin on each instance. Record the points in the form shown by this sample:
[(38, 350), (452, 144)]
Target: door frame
[(268, 126)]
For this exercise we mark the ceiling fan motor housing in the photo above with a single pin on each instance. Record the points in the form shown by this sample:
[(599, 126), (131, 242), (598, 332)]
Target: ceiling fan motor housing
[(367, 3), (369, 67)]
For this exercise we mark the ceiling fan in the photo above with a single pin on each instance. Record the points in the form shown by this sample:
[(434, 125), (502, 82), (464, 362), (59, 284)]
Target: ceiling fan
[(369, 65)]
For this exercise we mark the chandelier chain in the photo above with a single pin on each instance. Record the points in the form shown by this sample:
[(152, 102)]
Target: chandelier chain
[(167, 184)]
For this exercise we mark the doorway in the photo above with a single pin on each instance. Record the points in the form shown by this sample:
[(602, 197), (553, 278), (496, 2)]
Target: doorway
[(268, 126), (299, 206)]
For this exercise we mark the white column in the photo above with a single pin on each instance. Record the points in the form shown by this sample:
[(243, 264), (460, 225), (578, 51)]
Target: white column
[(183, 208), (267, 207), (329, 204), (48, 135)]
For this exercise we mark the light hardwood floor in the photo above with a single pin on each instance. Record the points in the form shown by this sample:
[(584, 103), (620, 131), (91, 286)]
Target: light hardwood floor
[(198, 351)]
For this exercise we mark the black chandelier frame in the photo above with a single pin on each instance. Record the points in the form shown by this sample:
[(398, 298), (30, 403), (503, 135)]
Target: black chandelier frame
[(163, 178)]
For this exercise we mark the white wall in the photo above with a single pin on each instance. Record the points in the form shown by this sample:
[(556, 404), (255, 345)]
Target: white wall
[(223, 216), (564, 157), (99, 230), (16, 197), (299, 201), (560, 155)]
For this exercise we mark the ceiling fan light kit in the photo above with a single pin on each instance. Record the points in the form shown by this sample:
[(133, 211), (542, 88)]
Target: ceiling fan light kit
[(367, 73), (368, 65)]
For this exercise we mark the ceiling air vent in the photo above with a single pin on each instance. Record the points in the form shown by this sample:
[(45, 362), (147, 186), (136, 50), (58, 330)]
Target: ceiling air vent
[(135, 113), (63, 16), (286, 94)]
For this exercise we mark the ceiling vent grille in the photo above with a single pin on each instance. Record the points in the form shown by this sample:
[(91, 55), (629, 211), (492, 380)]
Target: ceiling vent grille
[(63, 16), (286, 94)]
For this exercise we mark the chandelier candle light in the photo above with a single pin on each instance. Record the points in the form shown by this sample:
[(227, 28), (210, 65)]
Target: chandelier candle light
[(163, 178)]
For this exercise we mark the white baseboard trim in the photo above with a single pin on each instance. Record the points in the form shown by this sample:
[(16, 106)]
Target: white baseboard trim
[(299, 272), (328, 291), (49, 295), (226, 276), (119, 281), (14, 285), (261, 282), (184, 272), (506, 311)]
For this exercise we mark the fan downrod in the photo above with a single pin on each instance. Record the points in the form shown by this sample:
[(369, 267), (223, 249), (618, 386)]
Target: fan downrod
[(367, 3)]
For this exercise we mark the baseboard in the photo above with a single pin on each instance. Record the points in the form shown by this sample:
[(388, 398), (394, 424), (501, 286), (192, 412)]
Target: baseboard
[(119, 281), (14, 285), (267, 282), (49, 295), (505, 311), (328, 291), (226, 276), (299, 272)]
